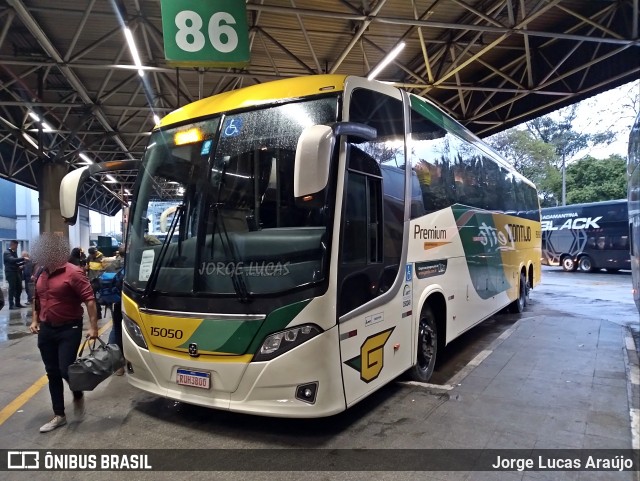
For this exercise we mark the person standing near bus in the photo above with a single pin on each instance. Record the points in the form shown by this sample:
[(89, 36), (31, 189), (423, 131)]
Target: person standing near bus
[(94, 271), (78, 258), (115, 336), (27, 276), (94, 263), (61, 288), (13, 275)]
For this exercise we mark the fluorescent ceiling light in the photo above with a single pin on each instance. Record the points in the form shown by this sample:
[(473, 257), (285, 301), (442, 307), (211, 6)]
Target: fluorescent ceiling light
[(134, 50), (30, 140), (387, 60), (84, 157), (156, 119), (111, 179), (46, 127), (34, 116)]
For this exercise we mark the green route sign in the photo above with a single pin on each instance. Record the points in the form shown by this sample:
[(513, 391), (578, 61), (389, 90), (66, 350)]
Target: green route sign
[(205, 33)]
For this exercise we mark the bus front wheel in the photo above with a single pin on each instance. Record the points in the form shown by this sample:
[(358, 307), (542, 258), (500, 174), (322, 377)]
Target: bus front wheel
[(585, 264), (427, 346), (568, 264)]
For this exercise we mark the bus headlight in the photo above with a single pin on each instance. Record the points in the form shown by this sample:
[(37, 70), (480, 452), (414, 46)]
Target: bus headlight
[(134, 331), (281, 342)]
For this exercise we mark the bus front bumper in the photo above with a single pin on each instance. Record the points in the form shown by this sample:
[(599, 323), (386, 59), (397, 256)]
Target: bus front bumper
[(265, 388)]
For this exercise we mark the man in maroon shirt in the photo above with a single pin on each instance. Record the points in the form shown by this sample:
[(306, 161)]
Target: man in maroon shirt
[(60, 290)]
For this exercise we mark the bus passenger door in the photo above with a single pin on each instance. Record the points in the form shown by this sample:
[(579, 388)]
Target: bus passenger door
[(375, 343)]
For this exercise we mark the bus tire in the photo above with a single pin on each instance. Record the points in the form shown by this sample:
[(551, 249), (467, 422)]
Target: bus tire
[(427, 346), (568, 264), (517, 306), (585, 264)]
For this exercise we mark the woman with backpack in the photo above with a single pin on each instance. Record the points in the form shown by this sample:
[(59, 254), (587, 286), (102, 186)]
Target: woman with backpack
[(112, 295)]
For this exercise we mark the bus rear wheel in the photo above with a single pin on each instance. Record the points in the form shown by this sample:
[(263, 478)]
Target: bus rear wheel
[(568, 264), (427, 346), (585, 264), (517, 306)]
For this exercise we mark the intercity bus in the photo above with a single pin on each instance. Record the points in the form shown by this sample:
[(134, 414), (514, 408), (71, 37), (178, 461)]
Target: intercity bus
[(324, 235), (633, 173), (586, 237)]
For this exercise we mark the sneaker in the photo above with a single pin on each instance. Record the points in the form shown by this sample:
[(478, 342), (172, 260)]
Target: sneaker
[(56, 422)]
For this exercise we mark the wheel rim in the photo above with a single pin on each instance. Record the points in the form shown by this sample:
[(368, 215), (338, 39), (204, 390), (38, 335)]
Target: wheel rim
[(568, 263), (426, 345), (586, 264)]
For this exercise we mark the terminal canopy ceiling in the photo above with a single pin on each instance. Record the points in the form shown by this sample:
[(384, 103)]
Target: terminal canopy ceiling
[(69, 90)]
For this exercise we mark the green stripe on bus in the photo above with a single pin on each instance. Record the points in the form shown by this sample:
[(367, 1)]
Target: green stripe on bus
[(239, 336), (481, 251), (277, 321), (225, 336)]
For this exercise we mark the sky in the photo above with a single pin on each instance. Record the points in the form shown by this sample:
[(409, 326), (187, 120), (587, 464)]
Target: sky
[(610, 110)]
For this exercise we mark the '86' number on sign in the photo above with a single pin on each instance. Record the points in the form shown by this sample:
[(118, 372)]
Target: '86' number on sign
[(191, 39)]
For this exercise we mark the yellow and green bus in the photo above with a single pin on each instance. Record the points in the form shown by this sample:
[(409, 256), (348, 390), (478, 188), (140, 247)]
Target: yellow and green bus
[(320, 237)]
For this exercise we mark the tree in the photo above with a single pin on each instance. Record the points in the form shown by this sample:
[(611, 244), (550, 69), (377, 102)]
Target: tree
[(593, 180), (566, 141), (533, 158)]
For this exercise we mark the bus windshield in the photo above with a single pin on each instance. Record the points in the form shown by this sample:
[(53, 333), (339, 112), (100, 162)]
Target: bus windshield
[(215, 211)]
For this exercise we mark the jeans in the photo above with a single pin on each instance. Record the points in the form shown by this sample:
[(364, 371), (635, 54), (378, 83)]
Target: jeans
[(29, 287), (15, 287), (59, 348), (115, 336)]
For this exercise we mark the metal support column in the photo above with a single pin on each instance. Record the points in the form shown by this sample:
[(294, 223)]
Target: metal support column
[(49, 191)]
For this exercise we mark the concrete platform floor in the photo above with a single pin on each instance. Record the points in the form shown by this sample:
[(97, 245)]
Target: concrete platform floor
[(550, 381)]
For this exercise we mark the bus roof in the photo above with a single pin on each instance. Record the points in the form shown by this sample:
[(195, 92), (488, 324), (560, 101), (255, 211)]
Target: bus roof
[(603, 203), (264, 93)]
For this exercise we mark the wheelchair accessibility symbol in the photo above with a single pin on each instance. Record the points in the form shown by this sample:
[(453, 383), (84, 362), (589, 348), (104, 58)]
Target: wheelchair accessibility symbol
[(232, 127)]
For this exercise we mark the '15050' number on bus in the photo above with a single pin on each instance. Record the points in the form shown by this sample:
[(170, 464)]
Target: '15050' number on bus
[(169, 333)]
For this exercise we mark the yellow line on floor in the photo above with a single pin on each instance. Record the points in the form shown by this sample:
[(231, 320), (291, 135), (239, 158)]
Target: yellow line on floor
[(11, 408)]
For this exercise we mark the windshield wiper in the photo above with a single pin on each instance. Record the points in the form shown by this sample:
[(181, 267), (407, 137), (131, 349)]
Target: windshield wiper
[(236, 274), (237, 280), (155, 271)]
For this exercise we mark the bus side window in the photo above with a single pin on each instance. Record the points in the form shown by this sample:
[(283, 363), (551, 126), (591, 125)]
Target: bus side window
[(355, 221), (373, 216), (362, 241)]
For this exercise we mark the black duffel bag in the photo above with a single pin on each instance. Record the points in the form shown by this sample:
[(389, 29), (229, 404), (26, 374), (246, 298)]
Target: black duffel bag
[(102, 361)]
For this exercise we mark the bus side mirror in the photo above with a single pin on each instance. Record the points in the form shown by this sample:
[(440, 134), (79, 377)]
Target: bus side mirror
[(313, 155), (73, 181), (313, 159), (69, 192)]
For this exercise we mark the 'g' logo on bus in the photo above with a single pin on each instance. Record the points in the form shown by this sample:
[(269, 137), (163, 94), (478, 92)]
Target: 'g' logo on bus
[(371, 359)]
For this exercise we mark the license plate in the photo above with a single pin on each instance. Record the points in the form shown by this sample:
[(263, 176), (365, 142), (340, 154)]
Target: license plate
[(186, 377)]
